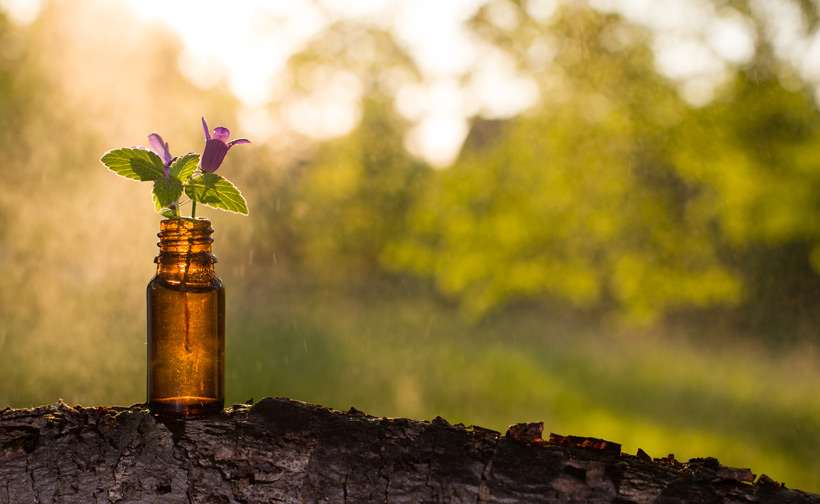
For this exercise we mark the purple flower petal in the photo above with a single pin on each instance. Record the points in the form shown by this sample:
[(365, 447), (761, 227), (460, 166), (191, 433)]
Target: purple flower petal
[(238, 141), (221, 134), (216, 147), (215, 150), (205, 127), (160, 148)]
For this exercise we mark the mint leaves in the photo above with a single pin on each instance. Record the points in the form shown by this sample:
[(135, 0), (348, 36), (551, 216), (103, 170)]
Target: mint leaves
[(184, 166), (137, 164), (166, 192), (213, 190), (173, 177)]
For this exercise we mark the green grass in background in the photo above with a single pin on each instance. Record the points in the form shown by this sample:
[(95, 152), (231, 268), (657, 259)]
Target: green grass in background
[(659, 392)]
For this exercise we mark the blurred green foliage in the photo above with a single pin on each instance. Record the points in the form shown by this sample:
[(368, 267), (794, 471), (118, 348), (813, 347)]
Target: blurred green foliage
[(613, 191), (614, 261), (354, 197)]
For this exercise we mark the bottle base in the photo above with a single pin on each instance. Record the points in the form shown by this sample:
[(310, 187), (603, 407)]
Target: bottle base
[(187, 406)]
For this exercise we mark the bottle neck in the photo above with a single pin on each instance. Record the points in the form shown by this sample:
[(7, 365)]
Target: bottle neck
[(185, 252)]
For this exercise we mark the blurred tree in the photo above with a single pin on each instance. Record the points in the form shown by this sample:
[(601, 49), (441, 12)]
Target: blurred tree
[(355, 194), (349, 197), (614, 191), (578, 198), (754, 154)]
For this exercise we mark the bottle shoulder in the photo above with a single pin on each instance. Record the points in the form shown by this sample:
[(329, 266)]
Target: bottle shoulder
[(161, 282)]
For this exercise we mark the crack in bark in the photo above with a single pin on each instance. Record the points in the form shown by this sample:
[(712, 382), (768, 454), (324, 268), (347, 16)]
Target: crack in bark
[(387, 474), (386, 470), (30, 472), (344, 486), (113, 492), (482, 484), (430, 467)]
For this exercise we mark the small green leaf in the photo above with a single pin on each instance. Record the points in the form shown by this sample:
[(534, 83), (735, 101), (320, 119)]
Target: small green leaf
[(215, 191), (166, 191), (137, 164), (184, 166)]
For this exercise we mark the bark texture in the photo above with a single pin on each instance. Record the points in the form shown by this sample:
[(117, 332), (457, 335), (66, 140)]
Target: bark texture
[(280, 450)]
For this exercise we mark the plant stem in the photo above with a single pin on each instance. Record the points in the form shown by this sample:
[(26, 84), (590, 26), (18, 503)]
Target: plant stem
[(193, 209)]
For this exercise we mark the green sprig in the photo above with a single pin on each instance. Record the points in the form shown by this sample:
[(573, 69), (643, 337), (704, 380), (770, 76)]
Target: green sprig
[(183, 177)]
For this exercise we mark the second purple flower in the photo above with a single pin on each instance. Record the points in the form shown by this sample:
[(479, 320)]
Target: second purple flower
[(216, 147)]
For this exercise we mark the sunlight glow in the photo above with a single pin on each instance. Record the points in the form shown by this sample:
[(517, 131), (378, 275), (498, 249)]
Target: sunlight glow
[(434, 137), (788, 31), (731, 37), (694, 44), (439, 110), (245, 47), (499, 90), (21, 11), (324, 115), (435, 34)]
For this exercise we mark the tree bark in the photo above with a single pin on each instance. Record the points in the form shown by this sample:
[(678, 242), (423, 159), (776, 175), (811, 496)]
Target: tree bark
[(280, 450)]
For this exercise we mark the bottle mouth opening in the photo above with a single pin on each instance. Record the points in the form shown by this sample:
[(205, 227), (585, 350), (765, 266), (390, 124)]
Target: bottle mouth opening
[(185, 226)]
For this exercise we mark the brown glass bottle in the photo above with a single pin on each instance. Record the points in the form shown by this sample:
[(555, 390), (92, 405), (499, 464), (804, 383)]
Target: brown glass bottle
[(186, 323)]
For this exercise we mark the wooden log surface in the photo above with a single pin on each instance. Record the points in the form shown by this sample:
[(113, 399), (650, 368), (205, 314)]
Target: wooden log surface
[(281, 450)]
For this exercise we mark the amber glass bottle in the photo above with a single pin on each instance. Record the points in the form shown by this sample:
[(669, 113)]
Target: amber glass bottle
[(186, 323)]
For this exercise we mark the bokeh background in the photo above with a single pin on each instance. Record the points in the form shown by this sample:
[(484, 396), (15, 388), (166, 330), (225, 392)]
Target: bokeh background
[(603, 215)]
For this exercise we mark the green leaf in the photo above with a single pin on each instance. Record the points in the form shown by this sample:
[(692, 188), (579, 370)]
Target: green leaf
[(215, 191), (184, 166), (166, 191), (137, 164)]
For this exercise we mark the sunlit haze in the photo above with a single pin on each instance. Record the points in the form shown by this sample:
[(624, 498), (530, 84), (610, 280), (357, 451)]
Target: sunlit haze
[(253, 43), (246, 49)]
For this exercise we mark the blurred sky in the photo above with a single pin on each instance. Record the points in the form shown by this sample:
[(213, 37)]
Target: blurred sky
[(246, 45)]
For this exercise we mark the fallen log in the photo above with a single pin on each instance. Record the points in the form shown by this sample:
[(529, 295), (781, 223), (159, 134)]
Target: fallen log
[(281, 450)]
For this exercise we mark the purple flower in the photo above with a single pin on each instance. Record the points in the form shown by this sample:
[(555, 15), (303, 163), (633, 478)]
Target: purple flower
[(160, 148), (216, 147)]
